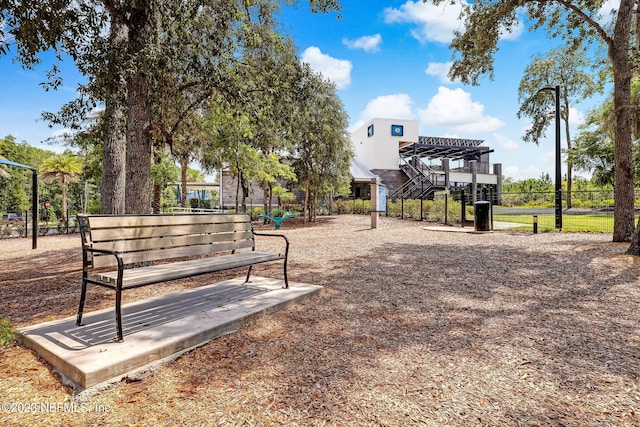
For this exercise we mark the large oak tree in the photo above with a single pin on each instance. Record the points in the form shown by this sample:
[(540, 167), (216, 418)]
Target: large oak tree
[(125, 48)]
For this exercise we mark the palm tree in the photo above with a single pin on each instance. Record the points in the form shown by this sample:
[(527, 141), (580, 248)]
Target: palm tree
[(64, 168)]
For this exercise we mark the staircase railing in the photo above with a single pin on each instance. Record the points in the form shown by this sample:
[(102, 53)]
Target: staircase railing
[(422, 179)]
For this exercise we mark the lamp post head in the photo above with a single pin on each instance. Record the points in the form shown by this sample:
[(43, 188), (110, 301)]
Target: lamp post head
[(550, 88)]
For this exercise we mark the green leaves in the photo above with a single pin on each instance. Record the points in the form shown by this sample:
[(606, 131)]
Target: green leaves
[(568, 68)]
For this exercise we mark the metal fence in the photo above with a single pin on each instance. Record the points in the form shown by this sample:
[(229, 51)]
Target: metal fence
[(23, 228), (590, 211), (582, 211)]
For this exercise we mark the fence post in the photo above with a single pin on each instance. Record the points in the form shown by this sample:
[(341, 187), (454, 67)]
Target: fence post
[(463, 214), (491, 206), (421, 200), (446, 208)]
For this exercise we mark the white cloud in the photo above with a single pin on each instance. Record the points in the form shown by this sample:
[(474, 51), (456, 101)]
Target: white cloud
[(454, 109), (440, 70), (336, 70), (518, 173), (505, 142), (548, 156), (63, 133), (366, 43), (608, 11), (576, 117), (435, 23), (514, 34), (398, 106)]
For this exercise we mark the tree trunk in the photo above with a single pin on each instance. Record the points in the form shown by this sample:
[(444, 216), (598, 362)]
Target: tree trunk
[(184, 166), (305, 208), (137, 200), (266, 205), (634, 248), (623, 227), (112, 187), (157, 187), (569, 166), (138, 185), (85, 197), (315, 207), (63, 217), (238, 191), (245, 193)]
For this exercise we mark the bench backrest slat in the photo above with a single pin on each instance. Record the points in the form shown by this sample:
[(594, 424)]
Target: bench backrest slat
[(169, 253), (130, 245), (145, 238), (143, 232), (105, 221)]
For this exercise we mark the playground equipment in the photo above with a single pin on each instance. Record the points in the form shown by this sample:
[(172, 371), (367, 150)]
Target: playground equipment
[(278, 216)]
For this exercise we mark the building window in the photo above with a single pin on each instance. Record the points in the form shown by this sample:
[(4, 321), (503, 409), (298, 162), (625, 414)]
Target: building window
[(397, 130), (370, 131)]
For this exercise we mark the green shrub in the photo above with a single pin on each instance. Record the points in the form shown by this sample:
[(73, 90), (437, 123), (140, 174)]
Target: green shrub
[(437, 207), (7, 335), (411, 208), (343, 206), (362, 207), (256, 212), (322, 210)]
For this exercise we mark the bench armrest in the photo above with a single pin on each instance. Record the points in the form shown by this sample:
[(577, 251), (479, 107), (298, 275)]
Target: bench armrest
[(116, 254), (286, 250)]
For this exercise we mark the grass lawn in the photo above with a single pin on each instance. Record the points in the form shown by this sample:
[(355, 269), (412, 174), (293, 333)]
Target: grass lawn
[(596, 223)]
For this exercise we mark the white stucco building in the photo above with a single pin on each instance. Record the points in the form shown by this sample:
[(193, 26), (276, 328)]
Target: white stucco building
[(414, 166)]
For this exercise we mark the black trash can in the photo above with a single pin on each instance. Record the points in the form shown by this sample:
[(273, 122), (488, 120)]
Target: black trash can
[(481, 215)]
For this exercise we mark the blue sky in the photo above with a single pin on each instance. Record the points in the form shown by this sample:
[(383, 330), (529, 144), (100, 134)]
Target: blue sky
[(387, 58), (390, 59)]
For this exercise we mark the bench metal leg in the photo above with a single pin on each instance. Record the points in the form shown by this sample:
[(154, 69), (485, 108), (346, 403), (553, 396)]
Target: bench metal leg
[(83, 295), (248, 274), (119, 314), (286, 281)]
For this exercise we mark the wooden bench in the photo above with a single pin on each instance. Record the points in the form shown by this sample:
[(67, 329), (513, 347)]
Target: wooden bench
[(129, 251)]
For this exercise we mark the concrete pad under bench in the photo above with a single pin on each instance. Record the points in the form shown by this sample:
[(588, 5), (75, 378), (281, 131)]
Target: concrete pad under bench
[(156, 329)]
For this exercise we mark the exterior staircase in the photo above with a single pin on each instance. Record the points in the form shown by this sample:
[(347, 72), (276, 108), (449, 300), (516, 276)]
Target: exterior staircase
[(422, 183)]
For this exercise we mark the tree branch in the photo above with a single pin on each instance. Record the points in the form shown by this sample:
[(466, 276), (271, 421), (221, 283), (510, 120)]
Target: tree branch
[(606, 37)]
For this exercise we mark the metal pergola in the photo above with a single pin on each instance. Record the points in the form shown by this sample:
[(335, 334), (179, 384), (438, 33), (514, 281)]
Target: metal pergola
[(445, 148), (34, 199)]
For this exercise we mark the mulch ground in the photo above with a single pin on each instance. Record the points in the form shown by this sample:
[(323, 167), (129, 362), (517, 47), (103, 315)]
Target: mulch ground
[(414, 328)]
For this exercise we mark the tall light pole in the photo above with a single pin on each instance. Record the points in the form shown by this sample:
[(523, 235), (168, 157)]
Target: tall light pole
[(558, 192)]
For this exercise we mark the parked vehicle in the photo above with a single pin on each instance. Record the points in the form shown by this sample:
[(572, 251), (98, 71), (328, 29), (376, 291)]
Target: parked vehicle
[(12, 218)]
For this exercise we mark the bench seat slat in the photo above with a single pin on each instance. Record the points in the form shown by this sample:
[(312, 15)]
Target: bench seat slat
[(160, 273)]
